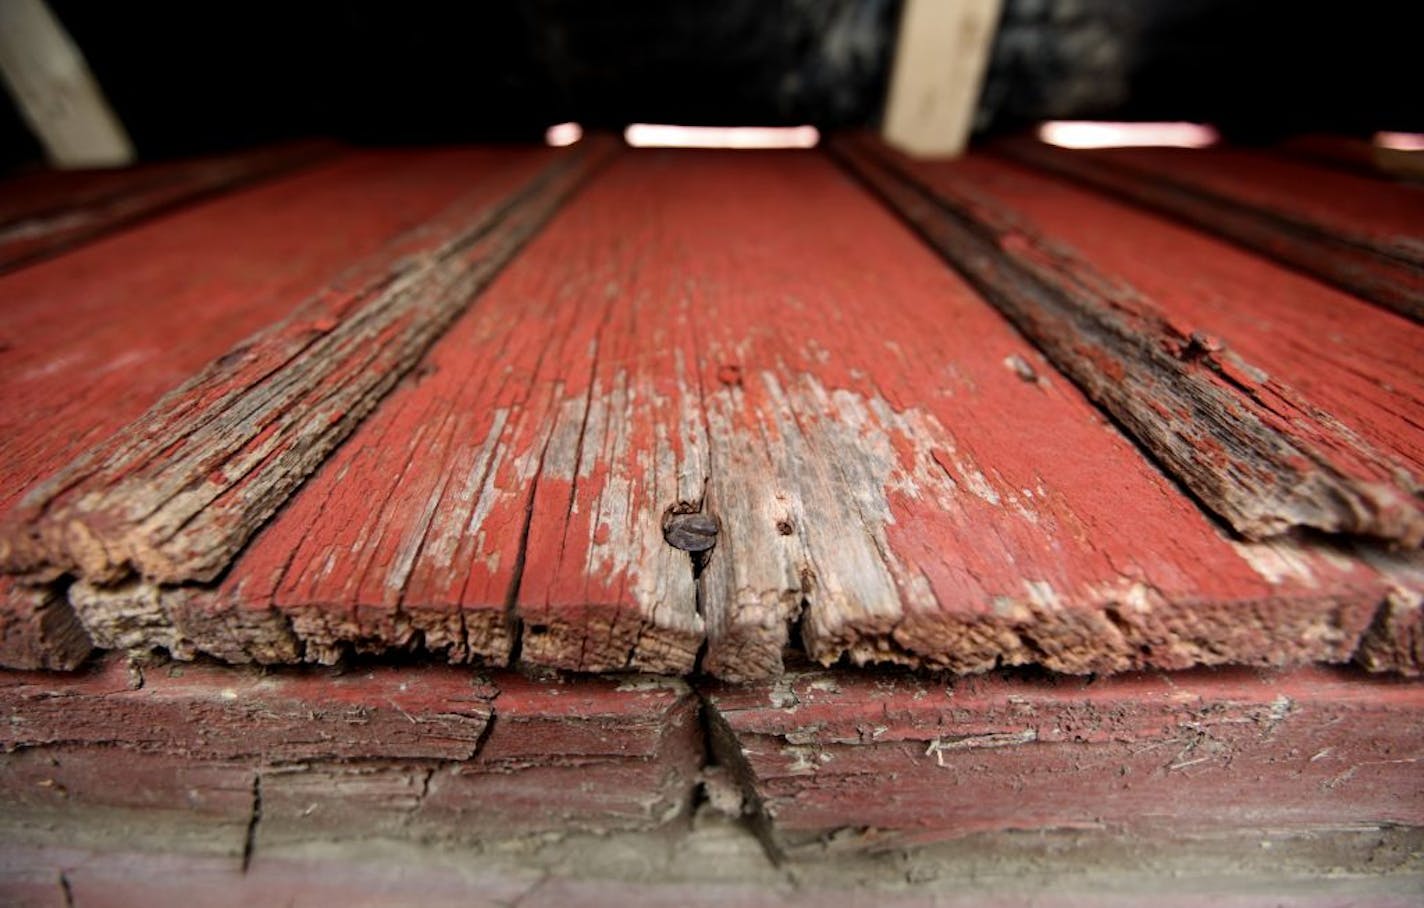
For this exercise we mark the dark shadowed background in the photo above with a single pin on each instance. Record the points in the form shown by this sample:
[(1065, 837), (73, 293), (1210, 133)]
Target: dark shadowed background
[(189, 77)]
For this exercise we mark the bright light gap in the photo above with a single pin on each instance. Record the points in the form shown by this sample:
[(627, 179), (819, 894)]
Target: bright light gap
[(561, 134), (660, 135), (1090, 134)]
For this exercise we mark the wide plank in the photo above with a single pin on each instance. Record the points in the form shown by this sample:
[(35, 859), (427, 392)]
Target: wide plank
[(1364, 236), (1279, 402)]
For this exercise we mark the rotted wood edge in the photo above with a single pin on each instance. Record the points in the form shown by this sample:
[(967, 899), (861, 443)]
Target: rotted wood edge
[(1242, 442), (176, 495), (1394, 642), (1391, 276), (39, 630)]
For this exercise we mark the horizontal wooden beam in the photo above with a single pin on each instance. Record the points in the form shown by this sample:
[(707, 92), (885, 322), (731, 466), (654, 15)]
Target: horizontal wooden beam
[(881, 761)]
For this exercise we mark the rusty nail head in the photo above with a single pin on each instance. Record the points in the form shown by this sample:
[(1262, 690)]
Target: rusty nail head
[(691, 532)]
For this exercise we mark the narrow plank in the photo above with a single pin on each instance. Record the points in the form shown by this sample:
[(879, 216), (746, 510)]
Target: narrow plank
[(893, 466), (602, 589), (44, 214), (1364, 236), (1300, 408), (91, 341), (877, 761), (176, 494)]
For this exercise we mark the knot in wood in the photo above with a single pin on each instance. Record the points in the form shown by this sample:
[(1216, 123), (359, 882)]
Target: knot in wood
[(691, 532)]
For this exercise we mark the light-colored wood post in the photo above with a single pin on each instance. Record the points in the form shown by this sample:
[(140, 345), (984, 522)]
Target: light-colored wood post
[(940, 57), (55, 91)]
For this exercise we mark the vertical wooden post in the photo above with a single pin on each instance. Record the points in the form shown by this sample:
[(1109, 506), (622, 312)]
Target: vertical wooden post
[(54, 89), (940, 58)]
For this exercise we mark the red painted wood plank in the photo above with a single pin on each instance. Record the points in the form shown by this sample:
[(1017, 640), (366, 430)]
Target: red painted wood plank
[(91, 340), (882, 760), (1376, 213), (601, 588), (1361, 235), (1278, 401), (43, 214)]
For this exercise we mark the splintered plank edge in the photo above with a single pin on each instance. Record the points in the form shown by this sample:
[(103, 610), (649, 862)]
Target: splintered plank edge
[(39, 630)]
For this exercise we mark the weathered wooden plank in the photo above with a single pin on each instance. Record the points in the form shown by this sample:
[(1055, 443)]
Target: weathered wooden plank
[(600, 753), (95, 338), (91, 340), (1278, 402), (875, 760), (601, 588), (179, 492), (44, 214), (1361, 235)]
